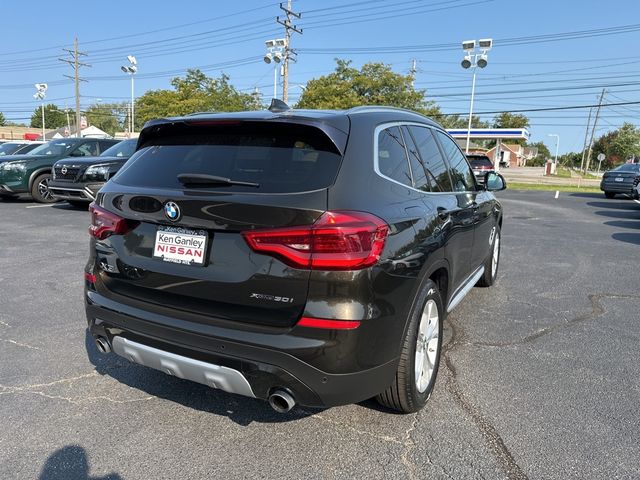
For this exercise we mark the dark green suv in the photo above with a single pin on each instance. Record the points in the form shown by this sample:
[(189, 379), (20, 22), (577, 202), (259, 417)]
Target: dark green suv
[(31, 173)]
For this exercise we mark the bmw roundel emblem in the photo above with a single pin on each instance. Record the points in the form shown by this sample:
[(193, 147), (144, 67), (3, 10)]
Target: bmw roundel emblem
[(172, 211)]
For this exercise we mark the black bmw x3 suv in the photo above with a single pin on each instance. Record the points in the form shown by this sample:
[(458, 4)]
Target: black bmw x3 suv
[(297, 256)]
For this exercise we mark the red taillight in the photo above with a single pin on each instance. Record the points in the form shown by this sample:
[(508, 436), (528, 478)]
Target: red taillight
[(105, 223), (328, 324), (339, 240), (89, 277)]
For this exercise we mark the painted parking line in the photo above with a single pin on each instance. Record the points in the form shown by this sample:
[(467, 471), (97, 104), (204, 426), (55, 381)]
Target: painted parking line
[(557, 193), (41, 206)]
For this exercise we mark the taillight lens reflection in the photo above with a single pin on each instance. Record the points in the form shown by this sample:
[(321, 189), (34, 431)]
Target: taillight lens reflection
[(105, 223), (341, 240)]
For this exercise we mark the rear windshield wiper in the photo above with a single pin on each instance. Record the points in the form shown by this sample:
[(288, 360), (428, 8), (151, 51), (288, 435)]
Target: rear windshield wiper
[(204, 180)]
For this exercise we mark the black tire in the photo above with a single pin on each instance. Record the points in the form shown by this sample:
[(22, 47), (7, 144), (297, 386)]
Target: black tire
[(80, 205), (403, 394), (490, 274), (609, 194), (40, 189)]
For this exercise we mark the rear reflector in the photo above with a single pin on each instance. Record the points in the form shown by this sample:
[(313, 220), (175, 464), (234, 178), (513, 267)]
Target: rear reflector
[(89, 277), (328, 324), (105, 223), (340, 240)]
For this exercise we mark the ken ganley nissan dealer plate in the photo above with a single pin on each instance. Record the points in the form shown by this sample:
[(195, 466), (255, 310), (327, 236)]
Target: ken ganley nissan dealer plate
[(180, 245)]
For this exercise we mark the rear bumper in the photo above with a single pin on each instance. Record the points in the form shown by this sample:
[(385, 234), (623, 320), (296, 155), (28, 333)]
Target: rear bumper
[(74, 191), (266, 361)]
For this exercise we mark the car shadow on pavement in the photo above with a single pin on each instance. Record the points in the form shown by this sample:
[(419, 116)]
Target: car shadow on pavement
[(615, 205), (587, 195), (70, 463), (623, 214), (241, 410)]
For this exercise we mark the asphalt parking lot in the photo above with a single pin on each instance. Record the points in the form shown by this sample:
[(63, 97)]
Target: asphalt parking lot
[(541, 374)]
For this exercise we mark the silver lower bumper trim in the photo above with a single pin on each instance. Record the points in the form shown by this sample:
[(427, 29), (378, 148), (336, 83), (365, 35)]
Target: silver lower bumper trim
[(216, 376)]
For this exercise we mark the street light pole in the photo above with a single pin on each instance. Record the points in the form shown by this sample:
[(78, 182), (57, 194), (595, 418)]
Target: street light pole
[(473, 93), (41, 90), (474, 59), (131, 69), (276, 50), (555, 161)]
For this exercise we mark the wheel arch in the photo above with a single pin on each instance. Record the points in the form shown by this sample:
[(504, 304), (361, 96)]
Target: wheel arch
[(36, 173)]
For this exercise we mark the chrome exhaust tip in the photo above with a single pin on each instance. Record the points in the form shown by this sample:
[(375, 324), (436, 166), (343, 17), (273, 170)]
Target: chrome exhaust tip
[(281, 401), (102, 345)]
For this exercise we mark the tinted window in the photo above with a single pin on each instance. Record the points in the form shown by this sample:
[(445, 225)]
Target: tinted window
[(122, 149), (392, 157), (9, 148), (280, 158), (479, 161), (435, 170), (87, 149), (461, 174), (628, 167), (106, 144), (54, 147)]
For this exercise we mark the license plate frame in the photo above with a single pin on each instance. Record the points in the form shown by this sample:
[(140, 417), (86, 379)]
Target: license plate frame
[(181, 246)]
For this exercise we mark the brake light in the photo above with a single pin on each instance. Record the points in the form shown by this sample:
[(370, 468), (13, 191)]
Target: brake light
[(340, 240), (90, 277), (105, 223), (328, 324)]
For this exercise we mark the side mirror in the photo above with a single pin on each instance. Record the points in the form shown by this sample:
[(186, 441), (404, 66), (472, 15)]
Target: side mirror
[(494, 182)]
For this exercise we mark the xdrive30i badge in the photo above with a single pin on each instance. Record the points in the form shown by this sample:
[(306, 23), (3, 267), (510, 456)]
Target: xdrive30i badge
[(172, 211)]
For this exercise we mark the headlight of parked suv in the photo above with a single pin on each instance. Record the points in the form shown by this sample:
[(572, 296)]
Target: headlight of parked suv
[(97, 173), (14, 166)]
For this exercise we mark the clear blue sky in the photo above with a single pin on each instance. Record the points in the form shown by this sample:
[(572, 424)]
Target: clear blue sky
[(169, 37)]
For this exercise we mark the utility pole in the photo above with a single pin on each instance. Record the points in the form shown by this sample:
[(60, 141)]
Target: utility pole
[(413, 71), (76, 64), (586, 135), (288, 51), (593, 131)]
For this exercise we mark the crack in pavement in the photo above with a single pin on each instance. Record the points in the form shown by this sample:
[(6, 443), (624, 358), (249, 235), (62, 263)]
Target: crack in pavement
[(597, 309), (494, 440), (18, 344), (39, 389)]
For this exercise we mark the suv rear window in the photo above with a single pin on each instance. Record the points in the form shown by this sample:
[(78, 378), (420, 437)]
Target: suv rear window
[(478, 161), (281, 158)]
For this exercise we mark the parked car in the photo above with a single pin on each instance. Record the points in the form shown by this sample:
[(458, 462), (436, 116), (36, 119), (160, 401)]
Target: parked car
[(622, 179), (301, 257), (480, 164), (30, 173), (77, 180), (17, 148)]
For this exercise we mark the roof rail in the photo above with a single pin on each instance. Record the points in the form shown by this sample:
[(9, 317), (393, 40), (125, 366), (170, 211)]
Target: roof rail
[(367, 108)]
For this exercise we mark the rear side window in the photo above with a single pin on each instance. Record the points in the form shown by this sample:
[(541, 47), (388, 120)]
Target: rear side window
[(280, 158), (433, 167), (392, 156), (461, 175)]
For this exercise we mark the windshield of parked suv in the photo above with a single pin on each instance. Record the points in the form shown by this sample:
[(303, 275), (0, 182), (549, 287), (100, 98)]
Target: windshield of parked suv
[(279, 158), (476, 162), (55, 147), (9, 148), (123, 149), (628, 167)]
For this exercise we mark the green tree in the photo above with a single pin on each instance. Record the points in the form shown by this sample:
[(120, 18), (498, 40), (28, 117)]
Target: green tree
[(510, 120), (373, 84), (617, 145), (53, 118), (106, 117), (195, 92), (3, 121)]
